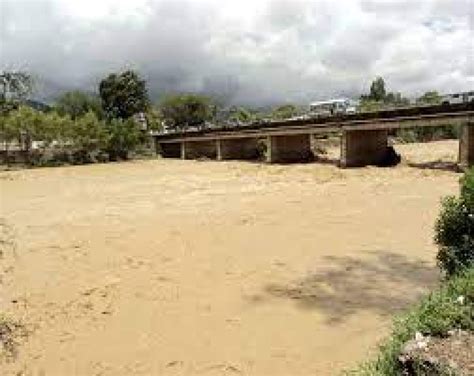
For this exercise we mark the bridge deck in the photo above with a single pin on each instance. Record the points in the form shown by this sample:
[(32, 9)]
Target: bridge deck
[(364, 136), (427, 116)]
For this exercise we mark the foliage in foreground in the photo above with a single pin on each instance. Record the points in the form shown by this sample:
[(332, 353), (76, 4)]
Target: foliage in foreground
[(454, 231), (61, 139), (435, 315), (80, 128)]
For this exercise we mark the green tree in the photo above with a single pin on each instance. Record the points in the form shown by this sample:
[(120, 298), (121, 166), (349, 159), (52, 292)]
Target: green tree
[(77, 103), (123, 137), (377, 90), (187, 110), (8, 134), (379, 98), (58, 130), (123, 95), (430, 97), (240, 115), (88, 136), (154, 119), (27, 124), (284, 112), (15, 86)]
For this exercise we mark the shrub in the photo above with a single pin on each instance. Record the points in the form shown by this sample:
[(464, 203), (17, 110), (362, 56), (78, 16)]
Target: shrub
[(435, 315), (123, 137), (454, 230)]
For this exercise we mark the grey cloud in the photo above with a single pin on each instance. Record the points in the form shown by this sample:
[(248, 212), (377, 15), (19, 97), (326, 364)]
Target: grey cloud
[(287, 13), (288, 51)]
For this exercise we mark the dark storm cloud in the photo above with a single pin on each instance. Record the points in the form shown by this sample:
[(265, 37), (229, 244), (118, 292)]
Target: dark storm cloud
[(247, 52)]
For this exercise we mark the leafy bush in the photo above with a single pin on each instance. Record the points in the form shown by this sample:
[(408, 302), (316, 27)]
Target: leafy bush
[(455, 229), (435, 315), (285, 111), (124, 137), (48, 139)]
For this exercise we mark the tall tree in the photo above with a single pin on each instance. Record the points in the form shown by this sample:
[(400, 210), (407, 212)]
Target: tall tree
[(15, 86), (77, 103), (123, 95), (377, 89), (187, 110), (379, 97)]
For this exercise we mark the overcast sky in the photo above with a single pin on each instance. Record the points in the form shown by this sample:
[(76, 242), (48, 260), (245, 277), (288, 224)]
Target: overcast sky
[(251, 52)]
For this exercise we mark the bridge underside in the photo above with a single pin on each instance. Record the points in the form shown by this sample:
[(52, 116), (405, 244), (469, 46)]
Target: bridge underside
[(237, 148), (198, 149), (360, 146), (169, 150), (291, 148)]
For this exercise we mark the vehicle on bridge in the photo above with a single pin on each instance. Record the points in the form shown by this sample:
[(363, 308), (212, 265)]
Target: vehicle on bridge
[(464, 97), (332, 107)]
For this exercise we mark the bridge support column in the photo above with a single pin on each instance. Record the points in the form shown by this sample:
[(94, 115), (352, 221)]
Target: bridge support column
[(291, 148), (237, 148), (198, 149), (169, 150), (363, 147), (466, 146)]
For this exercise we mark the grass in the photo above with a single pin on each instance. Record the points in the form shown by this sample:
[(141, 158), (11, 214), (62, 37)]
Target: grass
[(435, 315)]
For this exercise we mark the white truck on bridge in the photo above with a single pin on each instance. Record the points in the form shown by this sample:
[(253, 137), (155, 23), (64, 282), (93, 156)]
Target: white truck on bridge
[(465, 97), (332, 107)]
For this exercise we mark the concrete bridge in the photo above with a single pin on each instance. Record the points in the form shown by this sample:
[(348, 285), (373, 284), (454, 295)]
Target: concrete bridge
[(364, 136)]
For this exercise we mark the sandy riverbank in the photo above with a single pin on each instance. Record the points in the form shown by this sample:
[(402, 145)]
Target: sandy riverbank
[(216, 268)]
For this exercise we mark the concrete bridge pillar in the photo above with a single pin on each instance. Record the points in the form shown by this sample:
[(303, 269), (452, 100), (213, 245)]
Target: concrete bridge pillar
[(198, 149), (290, 148), (363, 147), (169, 150), (237, 148), (466, 145)]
